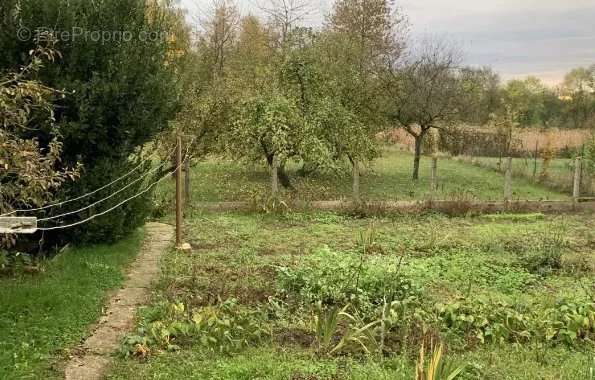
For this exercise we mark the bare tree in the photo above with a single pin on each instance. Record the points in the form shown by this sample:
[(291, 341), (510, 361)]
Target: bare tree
[(284, 15), (425, 91), (220, 28)]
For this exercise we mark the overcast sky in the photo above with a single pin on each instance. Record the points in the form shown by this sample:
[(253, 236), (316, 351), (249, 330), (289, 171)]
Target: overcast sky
[(545, 38)]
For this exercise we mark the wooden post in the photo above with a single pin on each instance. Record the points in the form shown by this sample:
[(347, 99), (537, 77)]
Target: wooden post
[(179, 215), (434, 176), (356, 195), (508, 180), (576, 189), (187, 195), (275, 177), (535, 160)]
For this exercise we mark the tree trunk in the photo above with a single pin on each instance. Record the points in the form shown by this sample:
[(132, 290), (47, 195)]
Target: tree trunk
[(418, 142), (284, 179)]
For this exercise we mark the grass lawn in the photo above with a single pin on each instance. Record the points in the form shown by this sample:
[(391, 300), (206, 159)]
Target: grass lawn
[(256, 297), (560, 174), (389, 178), (45, 314)]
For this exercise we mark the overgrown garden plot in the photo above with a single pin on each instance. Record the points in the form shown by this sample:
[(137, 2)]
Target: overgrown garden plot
[(329, 296)]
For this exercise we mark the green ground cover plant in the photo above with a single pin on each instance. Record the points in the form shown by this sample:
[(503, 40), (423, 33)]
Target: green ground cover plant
[(327, 295)]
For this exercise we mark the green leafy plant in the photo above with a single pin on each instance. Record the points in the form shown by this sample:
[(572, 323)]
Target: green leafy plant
[(569, 322), (224, 328), (269, 204), (487, 321), (14, 262), (437, 368), (338, 330), (545, 255), (337, 278), (498, 321)]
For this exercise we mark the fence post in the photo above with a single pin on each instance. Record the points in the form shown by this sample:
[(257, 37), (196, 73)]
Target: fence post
[(434, 176), (508, 180), (535, 160), (275, 177), (356, 196), (576, 189), (187, 195), (179, 214)]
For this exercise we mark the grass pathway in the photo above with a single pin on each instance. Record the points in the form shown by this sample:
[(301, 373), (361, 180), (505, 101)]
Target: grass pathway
[(94, 354)]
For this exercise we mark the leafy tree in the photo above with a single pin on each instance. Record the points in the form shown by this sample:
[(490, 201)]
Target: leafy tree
[(579, 89), (361, 35), (527, 98), (269, 125), (274, 96), (29, 173), (426, 93), (482, 95)]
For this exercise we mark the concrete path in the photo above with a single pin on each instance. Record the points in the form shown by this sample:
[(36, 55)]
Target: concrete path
[(94, 354)]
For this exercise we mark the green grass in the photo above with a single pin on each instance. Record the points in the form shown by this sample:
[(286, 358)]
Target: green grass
[(388, 178), (512, 363), (560, 174), (239, 255), (43, 315)]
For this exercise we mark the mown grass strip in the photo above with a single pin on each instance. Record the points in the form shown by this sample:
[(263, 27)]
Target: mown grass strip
[(42, 315)]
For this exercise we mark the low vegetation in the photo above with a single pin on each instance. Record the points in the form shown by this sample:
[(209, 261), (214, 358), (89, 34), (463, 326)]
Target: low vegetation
[(328, 295), (388, 178), (47, 312)]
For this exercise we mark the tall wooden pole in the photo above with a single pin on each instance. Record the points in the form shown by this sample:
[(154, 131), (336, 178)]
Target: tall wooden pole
[(356, 195), (576, 188), (275, 177), (434, 176), (508, 180), (179, 189)]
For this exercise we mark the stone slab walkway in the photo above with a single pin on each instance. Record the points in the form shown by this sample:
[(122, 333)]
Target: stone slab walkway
[(95, 352)]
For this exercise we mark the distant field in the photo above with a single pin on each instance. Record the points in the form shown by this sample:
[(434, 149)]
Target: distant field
[(527, 138), (389, 178)]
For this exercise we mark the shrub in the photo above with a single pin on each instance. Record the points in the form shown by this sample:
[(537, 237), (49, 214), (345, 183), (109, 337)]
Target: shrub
[(120, 93), (545, 256), (337, 279)]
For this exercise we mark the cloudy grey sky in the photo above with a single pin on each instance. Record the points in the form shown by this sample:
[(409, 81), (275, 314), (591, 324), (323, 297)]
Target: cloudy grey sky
[(545, 38)]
